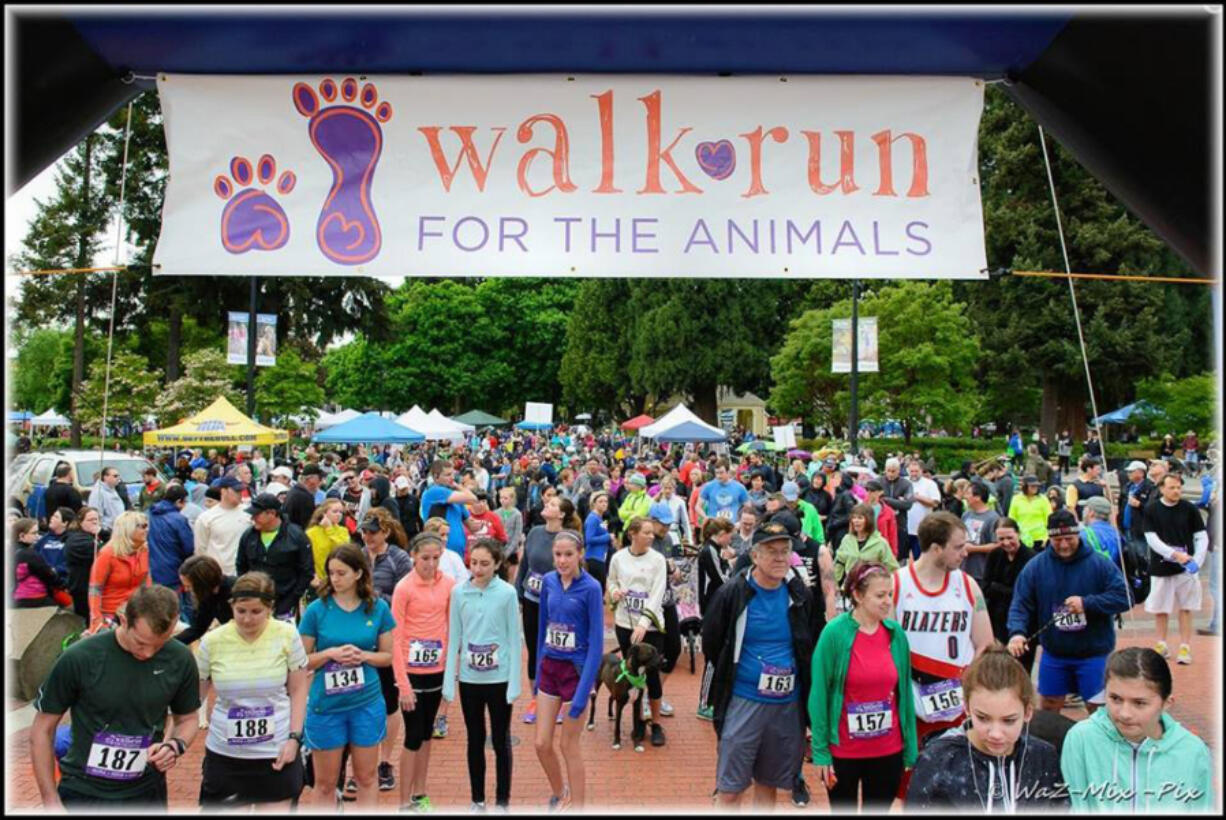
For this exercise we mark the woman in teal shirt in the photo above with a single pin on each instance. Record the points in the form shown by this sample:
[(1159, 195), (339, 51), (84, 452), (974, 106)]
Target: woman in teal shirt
[(346, 633)]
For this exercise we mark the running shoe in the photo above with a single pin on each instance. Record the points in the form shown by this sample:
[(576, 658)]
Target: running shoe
[(1185, 654), (560, 803), (530, 712), (800, 792), (666, 709), (1204, 630), (440, 727), (706, 712), (477, 808), (1160, 648), (657, 735), (351, 789), (387, 777), (559, 718), (423, 804)]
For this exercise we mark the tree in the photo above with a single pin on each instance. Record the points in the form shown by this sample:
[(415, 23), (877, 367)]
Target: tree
[(134, 387), (37, 357), (287, 389), (206, 376), (528, 317), (926, 353), (1181, 404), (595, 360)]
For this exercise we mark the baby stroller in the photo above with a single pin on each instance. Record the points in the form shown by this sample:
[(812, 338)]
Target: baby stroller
[(685, 592)]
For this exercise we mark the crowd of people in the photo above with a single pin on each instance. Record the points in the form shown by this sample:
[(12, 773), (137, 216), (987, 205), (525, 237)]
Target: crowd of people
[(309, 616)]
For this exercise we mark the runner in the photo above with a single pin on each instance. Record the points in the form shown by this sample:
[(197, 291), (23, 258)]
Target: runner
[(1030, 510), (1178, 543), (210, 590), (218, 529), (326, 532), (862, 543), (443, 499), (991, 762), (450, 563), (714, 565), (485, 650), (570, 644), (535, 564), (638, 580), (762, 671), (279, 548), (944, 615), (661, 515), (119, 686), (1133, 756), (596, 537), (347, 633), (421, 605), (259, 668), (861, 705), (723, 497), (1071, 592), (122, 566)]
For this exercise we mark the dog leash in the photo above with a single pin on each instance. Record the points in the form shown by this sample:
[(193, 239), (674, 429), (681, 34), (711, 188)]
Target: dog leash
[(637, 681)]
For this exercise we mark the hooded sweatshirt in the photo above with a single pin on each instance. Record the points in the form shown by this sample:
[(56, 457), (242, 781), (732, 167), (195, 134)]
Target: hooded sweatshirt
[(1044, 584), (579, 610), (875, 549), (171, 542), (951, 774), (485, 644), (1106, 773), (104, 499)]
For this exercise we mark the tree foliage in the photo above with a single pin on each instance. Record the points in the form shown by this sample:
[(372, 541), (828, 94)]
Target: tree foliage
[(207, 375), (134, 387), (287, 389), (1180, 404), (37, 358)]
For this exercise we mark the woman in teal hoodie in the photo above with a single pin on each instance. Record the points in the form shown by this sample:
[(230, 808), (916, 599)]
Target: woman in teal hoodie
[(860, 703), (1133, 756), (486, 650)]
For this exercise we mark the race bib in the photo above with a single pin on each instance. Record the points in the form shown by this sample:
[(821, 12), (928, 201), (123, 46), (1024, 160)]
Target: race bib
[(534, 583), (870, 719), (776, 681), (424, 653), (339, 679), (248, 725), (1067, 621), (939, 701), (725, 514), (560, 636), (118, 757), (635, 602), (483, 657)]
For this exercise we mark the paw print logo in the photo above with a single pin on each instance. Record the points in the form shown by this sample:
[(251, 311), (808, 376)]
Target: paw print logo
[(252, 218)]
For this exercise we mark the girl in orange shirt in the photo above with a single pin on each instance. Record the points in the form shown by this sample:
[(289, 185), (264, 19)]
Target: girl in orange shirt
[(121, 567)]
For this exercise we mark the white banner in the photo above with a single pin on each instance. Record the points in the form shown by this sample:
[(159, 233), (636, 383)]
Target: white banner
[(785, 436), (826, 177), (536, 412), (840, 348), (265, 340)]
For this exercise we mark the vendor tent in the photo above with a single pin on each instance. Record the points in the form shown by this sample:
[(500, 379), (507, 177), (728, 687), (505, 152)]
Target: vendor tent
[(437, 417), (49, 419), (19, 415), (1128, 411), (678, 415), (479, 418), (327, 420), (219, 424), (533, 425), (417, 419), (692, 431), (637, 423), (369, 428)]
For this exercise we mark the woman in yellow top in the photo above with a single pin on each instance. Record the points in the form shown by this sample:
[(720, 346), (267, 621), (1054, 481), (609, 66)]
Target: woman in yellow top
[(326, 532), (1030, 510)]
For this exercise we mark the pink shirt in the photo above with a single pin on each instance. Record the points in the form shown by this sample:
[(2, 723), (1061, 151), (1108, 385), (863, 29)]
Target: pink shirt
[(422, 612), (871, 686)]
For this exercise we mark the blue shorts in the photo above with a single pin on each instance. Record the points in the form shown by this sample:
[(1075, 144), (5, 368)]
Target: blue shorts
[(1084, 676), (363, 726)]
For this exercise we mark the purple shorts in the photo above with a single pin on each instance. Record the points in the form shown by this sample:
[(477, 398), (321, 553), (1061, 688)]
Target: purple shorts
[(558, 678)]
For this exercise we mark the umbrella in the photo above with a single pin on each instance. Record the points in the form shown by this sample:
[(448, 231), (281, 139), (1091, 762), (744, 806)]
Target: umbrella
[(803, 454), (760, 444)]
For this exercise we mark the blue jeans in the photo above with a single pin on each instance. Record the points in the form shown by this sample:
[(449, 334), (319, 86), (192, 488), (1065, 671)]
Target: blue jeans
[(186, 610), (1215, 587)]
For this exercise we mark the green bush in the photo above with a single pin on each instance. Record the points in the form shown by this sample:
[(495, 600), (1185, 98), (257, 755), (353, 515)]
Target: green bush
[(90, 443)]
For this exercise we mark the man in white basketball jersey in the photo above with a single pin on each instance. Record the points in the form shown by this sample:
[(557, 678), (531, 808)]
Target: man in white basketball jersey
[(944, 615)]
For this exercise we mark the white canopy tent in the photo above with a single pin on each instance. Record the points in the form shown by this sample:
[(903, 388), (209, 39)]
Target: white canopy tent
[(677, 416), (433, 429), (458, 425), (327, 420), (49, 419)]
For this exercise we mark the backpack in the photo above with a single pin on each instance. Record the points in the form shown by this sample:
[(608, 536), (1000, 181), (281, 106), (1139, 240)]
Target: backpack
[(1136, 568)]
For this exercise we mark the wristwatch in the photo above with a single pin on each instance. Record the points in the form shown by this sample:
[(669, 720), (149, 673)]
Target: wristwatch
[(296, 736), (180, 746)]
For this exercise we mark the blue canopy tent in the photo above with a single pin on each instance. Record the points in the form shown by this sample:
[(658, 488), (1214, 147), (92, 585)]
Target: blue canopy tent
[(1092, 77), (534, 425), (369, 428), (691, 431), (1121, 416), (16, 416)]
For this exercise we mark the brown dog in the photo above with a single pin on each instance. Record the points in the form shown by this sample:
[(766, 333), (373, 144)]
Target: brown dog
[(641, 659)]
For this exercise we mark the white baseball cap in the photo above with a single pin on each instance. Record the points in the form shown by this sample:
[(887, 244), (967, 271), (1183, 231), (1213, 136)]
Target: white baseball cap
[(276, 488), (1136, 465), (283, 470), (402, 483)]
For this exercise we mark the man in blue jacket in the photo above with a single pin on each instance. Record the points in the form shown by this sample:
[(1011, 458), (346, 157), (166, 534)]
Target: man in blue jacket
[(1073, 592), (171, 542)]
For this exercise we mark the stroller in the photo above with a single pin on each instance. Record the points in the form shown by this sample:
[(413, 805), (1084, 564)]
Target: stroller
[(685, 593)]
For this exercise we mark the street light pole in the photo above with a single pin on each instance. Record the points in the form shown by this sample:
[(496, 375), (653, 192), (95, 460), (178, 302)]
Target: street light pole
[(855, 365), (251, 334)]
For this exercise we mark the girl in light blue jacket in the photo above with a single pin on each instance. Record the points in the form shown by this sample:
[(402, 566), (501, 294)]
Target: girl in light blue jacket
[(485, 649)]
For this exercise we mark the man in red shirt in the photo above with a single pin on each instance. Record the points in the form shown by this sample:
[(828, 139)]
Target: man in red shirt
[(887, 521), (489, 524)]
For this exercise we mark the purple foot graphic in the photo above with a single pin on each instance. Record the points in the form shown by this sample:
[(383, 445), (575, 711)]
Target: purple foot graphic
[(253, 220), (350, 140)]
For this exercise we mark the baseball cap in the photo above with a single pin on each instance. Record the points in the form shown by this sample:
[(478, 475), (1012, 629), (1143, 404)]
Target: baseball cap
[(402, 483), (1098, 504), (227, 482), (283, 471), (370, 523), (771, 531), (264, 502), (1031, 479), (481, 495), (638, 479), (661, 512), (276, 488), (1136, 465), (874, 485), (1062, 522), (310, 469), (790, 490)]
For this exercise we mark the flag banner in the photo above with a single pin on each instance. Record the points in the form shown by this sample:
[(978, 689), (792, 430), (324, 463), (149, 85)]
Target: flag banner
[(543, 175), (841, 346), (265, 340)]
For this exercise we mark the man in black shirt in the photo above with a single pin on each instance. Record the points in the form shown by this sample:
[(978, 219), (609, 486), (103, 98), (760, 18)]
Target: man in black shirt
[(61, 492), (279, 548), (1178, 543), (300, 502)]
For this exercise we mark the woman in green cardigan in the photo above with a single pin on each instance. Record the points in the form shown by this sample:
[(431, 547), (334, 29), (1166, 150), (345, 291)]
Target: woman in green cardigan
[(860, 704), (863, 542)]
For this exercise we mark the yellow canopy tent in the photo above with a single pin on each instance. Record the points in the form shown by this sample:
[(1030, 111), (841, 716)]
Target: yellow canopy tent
[(218, 424)]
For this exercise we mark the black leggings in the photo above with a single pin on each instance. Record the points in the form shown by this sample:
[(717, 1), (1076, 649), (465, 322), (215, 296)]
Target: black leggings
[(655, 689), (877, 776), (475, 698), (598, 570), (531, 613), (419, 724), (672, 639)]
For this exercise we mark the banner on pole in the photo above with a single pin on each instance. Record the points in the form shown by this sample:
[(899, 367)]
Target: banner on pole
[(841, 346), (265, 341), (645, 176)]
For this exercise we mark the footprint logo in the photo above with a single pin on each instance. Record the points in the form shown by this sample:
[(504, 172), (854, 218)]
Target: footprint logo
[(350, 140), (252, 219)]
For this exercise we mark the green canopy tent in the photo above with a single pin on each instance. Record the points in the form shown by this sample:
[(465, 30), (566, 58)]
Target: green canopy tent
[(479, 418)]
